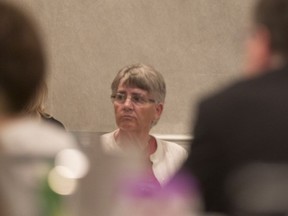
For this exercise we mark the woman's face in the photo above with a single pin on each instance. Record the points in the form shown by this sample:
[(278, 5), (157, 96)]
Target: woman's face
[(137, 111)]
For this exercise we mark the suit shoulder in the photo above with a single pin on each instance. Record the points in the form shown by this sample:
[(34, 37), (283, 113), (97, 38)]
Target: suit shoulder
[(250, 88), (230, 94)]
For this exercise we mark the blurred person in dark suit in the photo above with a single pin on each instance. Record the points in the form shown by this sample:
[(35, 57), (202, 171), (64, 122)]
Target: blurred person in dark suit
[(246, 122)]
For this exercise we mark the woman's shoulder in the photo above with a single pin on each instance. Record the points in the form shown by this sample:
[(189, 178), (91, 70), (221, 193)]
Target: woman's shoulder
[(108, 142), (172, 147)]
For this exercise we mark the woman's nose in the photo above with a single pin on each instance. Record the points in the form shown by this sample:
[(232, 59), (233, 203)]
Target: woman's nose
[(128, 102)]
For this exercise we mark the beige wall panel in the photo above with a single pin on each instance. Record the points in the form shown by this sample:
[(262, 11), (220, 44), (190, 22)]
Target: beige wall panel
[(196, 44)]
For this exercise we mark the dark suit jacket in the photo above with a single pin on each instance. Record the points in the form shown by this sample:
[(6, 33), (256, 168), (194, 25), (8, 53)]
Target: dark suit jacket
[(247, 122)]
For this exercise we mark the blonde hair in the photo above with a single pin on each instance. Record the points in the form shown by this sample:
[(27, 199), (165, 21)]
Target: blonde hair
[(36, 107)]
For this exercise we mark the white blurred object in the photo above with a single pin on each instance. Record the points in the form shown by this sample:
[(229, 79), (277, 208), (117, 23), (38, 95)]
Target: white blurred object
[(27, 137), (115, 185), (138, 197), (28, 149), (73, 160), (61, 184)]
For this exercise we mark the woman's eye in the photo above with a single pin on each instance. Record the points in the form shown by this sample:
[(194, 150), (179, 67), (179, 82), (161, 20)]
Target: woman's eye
[(138, 99), (120, 97)]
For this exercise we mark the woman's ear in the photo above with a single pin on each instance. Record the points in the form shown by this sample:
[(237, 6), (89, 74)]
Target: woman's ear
[(159, 109)]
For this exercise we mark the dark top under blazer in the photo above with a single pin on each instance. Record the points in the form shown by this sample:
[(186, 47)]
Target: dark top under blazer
[(247, 122)]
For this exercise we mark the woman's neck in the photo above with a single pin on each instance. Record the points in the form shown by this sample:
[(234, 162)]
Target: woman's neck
[(142, 141)]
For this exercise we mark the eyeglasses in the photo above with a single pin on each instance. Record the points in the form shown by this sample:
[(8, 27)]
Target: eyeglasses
[(136, 99)]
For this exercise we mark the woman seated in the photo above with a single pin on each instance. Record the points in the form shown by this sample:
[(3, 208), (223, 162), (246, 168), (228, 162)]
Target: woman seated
[(138, 95)]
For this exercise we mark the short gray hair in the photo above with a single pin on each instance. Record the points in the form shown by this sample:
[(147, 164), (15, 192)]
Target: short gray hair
[(144, 77)]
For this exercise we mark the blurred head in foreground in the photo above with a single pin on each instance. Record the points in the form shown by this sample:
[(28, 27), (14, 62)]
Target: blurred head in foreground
[(267, 46), (22, 65)]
